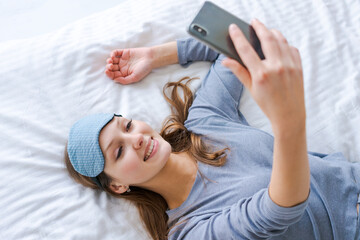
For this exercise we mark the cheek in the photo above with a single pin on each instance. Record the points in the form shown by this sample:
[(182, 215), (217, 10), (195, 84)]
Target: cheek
[(130, 167)]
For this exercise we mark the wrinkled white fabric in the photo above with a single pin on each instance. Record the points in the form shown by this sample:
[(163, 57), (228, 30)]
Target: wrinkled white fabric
[(49, 82)]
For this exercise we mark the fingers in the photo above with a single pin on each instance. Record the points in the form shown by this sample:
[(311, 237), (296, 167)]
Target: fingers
[(109, 73), (113, 72), (269, 42), (296, 56), (116, 53), (279, 36), (114, 60), (275, 46), (290, 55), (118, 77), (115, 56), (284, 48), (112, 67), (113, 63), (243, 47), (297, 60), (240, 72)]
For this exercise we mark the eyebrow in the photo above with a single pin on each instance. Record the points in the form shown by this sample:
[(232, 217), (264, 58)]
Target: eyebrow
[(111, 142)]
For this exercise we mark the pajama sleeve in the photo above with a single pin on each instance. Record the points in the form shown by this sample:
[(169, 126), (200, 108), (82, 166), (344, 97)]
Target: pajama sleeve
[(257, 217), (220, 91)]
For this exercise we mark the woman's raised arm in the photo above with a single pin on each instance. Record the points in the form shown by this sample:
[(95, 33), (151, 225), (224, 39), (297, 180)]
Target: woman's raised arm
[(276, 84)]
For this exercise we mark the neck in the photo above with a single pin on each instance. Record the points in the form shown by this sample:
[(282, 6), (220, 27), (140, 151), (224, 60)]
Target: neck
[(175, 180)]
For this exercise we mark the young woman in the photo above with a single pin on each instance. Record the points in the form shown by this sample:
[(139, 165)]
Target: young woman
[(208, 174)]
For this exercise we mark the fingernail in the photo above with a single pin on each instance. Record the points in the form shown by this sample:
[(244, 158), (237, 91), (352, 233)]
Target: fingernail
[(255, 20), (232, 27)]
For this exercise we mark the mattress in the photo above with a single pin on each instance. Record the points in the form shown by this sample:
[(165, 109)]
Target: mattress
[(50, 81)]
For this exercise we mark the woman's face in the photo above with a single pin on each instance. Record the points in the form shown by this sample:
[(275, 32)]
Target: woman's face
[(134, 153)]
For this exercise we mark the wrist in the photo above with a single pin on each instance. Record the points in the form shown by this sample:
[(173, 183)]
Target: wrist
[(162, 55), (289, 130), (289, 124), (153, 55)]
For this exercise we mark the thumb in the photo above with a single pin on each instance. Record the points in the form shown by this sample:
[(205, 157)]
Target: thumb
[(239, 71)]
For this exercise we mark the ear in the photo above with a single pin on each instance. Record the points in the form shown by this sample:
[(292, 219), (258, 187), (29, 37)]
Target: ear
[(117, 188)]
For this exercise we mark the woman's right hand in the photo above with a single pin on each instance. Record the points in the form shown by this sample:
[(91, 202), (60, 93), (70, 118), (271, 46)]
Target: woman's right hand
[(275, 83), (130, 65)]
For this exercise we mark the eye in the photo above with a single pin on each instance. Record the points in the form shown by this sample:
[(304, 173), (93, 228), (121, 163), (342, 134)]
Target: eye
[(119, 153), (128, 126)]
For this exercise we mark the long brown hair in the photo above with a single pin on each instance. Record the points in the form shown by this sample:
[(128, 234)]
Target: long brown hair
[(151, 205)]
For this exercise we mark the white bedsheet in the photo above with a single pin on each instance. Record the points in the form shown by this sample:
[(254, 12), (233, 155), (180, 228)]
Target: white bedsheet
[(22, 19), (49, 82)]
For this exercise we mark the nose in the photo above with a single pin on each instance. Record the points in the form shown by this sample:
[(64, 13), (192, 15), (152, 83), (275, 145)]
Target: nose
[(137, 140)]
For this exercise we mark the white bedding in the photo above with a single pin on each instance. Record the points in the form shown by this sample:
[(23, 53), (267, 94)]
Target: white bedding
[(49, 82)]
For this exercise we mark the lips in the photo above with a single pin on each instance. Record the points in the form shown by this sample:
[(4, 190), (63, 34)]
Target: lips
[(147, 147)]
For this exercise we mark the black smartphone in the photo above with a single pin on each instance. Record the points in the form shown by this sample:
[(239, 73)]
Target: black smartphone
[(211, 26)]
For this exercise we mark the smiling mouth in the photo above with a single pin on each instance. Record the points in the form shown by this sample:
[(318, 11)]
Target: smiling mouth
[(151, 148)]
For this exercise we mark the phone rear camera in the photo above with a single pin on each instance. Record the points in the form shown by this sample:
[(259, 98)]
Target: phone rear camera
[(199, 30)]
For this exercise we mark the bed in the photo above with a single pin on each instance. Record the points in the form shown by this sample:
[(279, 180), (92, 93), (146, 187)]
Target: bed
[(50, 81)]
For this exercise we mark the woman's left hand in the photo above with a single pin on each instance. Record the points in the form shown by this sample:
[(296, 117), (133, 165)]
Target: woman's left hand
[(129, 65)]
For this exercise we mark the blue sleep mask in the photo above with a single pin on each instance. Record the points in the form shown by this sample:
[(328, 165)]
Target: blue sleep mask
[(83, 145)]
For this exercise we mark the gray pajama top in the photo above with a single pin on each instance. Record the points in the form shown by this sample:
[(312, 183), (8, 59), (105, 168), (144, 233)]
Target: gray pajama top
[(236, 203)]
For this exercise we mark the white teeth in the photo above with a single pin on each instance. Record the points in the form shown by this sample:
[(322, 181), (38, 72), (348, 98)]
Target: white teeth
[(150, 150)]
